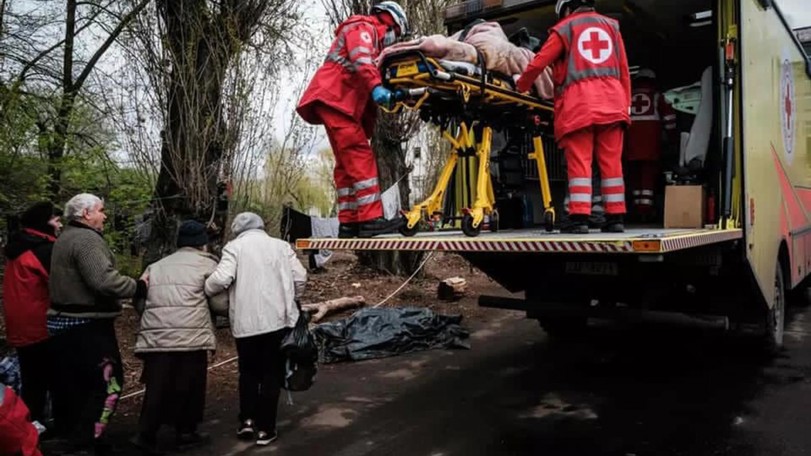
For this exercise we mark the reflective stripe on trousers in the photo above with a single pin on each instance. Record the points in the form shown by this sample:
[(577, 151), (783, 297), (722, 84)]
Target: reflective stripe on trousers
[(603, 143), (355, 168)]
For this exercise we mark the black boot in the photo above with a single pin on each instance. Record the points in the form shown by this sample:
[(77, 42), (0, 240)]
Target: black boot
[(379, 226), (596, 221), (576, 224), (348, 230), (613, 224)]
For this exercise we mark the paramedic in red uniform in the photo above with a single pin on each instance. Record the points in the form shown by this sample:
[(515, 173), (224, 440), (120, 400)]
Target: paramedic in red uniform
[(342, 97), (592, 101), (650, 115)]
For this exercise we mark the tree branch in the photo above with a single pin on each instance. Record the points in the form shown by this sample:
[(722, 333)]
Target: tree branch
[(67, 67), (109, 42), (30, 64)]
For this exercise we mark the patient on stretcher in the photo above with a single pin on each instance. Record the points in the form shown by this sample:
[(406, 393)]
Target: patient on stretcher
[(488, 38)]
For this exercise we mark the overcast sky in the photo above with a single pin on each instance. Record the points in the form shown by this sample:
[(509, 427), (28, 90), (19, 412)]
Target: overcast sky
[(798, 12), (318, 22)]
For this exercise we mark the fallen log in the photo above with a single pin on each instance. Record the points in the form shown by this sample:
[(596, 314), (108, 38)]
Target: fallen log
[(320, 310)]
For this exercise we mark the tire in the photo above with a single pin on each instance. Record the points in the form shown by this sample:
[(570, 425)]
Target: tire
[(801, 297), (776, 316), (549, 221), (494, 221), (467, 226), (409, 232)]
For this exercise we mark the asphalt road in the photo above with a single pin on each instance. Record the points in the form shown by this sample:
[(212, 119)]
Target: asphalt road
[(614, 391)]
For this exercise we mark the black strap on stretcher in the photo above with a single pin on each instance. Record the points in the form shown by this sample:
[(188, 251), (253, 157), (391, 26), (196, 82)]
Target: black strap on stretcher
[(483, 63)]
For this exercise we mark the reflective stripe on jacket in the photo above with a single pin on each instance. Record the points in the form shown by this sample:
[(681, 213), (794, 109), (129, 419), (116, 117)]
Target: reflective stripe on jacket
[(592, 81), (650, 115), (345, 80)]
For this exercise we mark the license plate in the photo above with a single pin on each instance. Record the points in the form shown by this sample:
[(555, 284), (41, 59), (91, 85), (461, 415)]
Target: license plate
[(407, 69), (591, 268)]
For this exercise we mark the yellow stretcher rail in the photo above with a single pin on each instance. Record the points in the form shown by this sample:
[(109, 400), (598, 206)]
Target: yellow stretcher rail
[(467, 104)]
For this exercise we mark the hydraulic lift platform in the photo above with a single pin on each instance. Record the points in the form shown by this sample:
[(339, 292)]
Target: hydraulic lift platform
[(633, 241)]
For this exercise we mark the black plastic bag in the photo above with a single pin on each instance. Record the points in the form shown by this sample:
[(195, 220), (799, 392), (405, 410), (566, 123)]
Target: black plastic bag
[(301, 356), (378, 333)]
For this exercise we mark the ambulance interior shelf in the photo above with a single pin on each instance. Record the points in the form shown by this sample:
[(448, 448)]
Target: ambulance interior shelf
[(468, 103)]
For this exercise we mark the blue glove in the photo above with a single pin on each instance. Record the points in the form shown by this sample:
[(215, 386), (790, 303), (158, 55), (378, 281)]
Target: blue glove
[(383, 96)]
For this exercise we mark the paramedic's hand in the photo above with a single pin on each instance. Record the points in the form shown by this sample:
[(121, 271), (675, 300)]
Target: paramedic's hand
[(383, 97), (521, 84)]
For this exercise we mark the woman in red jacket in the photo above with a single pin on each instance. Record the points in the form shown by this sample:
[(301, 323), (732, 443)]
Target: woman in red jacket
[(592, 102), (26, 301)]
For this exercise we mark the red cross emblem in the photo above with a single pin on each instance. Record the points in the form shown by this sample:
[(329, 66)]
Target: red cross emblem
[(595, 45), (641, 104), (787, 117)]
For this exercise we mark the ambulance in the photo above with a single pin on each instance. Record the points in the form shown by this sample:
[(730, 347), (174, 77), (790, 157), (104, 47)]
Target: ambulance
[(731, 247)]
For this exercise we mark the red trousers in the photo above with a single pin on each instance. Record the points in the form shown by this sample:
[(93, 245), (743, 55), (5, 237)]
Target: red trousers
[(355, 167), (604, 142), (642, 177), (17, 435)]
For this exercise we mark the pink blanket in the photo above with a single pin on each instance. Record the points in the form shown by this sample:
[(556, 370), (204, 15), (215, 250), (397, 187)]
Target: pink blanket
[(488, 38)]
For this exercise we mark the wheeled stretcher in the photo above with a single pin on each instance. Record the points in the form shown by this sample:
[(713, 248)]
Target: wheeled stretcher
[(468, 103)]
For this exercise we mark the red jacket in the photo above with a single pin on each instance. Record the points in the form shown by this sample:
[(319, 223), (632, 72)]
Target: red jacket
[(346, 79), (25, 287), (650, 115), (18, 436), (590, 71)]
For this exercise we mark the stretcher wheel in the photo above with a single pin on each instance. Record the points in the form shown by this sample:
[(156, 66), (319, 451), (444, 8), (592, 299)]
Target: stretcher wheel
[(468, 228), (409, 232), (549, 221), (494, 221)]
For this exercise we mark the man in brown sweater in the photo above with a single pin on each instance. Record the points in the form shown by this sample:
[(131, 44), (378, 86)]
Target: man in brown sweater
[(85, 288)]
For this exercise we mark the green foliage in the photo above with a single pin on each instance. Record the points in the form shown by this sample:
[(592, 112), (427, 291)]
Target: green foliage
[(86, 168), (22, 169), (304, 183)]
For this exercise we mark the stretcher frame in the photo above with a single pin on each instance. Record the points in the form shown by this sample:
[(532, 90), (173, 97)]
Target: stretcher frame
[(464, 105)]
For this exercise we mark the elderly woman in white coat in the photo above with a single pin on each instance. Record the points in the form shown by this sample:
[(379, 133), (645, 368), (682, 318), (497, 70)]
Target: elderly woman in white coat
[(263, 278)]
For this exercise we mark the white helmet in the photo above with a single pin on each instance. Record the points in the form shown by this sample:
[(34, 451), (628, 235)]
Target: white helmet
[(646, 73), (573, 4), (396, 12)]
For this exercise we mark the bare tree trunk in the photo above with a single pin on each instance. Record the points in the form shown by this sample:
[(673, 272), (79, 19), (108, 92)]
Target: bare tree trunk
[(201, 39), (190, 153), (391, 168), (58, 138)]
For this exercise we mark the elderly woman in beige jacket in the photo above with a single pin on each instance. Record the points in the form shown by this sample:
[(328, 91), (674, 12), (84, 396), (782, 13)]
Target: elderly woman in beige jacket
[(174, 340), (264, 278)]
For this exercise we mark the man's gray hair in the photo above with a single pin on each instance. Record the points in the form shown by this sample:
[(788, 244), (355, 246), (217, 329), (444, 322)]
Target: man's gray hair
[(79, 203), (245, 221)]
